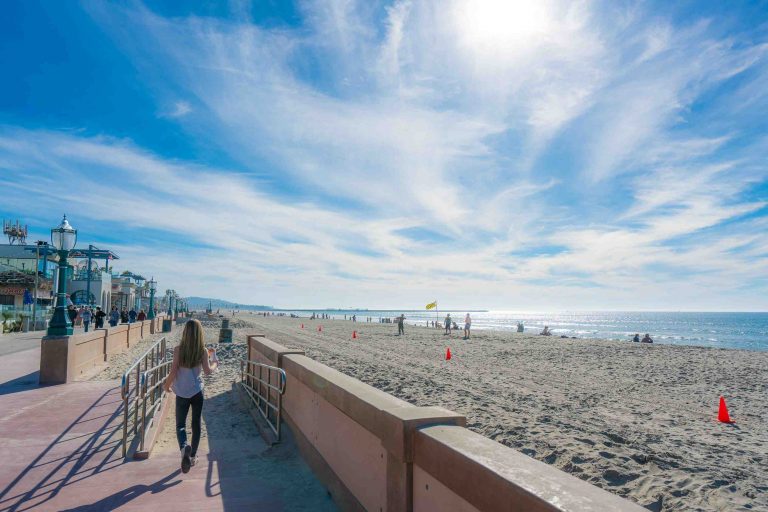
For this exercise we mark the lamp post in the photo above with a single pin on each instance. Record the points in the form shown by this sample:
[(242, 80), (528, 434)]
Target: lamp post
[(63, 239), (152, 288), (170, 302), (175, 305)]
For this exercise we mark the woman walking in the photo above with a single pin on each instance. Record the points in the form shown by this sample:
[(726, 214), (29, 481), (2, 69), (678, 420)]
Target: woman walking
[(190, 359)]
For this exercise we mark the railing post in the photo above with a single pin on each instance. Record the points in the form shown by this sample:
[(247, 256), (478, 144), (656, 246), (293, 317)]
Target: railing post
[(126, 389)]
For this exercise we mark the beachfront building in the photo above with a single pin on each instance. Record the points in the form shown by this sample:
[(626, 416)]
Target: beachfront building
[(17, 275)]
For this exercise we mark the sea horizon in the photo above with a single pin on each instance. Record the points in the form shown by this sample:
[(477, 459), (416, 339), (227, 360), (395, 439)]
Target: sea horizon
[(742, 330)]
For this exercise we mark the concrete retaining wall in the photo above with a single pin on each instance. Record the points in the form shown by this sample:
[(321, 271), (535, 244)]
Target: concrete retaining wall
[(376, 452), (66, 358)]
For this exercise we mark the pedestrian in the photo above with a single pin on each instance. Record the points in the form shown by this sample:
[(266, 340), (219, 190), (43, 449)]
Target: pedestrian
[(447, 324), (86, 316), (72, 314), (132, 316), (99, 318), (114, 316), (141, 316), (123, 316), (467, 326), (401, 325), (190, 359)]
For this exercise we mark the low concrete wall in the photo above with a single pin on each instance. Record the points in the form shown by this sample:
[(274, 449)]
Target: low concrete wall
[(65, 358), (376, 452), (117, 339), (356, 438), (134, 333)]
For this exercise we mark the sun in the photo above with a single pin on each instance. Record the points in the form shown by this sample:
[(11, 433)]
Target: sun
[(501, 23)]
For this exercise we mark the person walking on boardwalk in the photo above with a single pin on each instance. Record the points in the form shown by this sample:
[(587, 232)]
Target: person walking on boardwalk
[(86, 316), (401, 325), (99, 318), (141, 316), (447, 324), (114, 316), (124, 316), (190, 360), (132, 316)]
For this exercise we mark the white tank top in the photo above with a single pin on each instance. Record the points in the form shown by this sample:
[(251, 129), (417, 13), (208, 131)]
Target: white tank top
[(188, 382)]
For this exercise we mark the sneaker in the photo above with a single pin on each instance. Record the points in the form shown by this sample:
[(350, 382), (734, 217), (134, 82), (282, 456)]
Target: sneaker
[(186, 458), (194, 461)]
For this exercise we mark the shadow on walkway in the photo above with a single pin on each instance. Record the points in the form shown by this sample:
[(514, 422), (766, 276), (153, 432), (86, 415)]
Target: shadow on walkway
[(125, 496), (243, 470), (74, 456), (22, 383)]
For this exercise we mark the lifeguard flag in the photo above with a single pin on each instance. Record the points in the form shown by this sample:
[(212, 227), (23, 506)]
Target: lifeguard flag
[(432, 306)]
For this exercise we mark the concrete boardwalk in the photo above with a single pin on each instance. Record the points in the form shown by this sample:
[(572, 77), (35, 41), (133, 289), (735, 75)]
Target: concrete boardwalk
[(60, 450)]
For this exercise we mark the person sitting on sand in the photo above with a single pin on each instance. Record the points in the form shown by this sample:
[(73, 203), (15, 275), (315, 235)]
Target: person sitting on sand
[(646, 339), (447, 324), (190, 359), (520, 327), (546, 331), (636, 339)]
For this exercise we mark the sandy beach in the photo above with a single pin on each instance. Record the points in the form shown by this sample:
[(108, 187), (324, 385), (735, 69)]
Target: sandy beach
[(637, 420)]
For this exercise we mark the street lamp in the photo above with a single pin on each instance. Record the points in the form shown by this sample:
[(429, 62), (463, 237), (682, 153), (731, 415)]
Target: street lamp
[(170, 302), (152, 288), (63, 239), (175, 305)]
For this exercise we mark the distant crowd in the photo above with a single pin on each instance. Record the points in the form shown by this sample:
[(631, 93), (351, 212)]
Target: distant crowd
[(85, 315)]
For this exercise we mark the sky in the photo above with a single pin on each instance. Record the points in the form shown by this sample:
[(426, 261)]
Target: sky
[(487, 154)]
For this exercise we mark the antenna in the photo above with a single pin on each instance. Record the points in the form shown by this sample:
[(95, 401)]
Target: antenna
[(15, 232)]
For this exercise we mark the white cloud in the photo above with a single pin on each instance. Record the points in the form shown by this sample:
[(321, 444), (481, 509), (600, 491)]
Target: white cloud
[(502, 125)]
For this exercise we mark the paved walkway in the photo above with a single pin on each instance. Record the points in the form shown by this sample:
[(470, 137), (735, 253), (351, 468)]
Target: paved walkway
[(60, 450)]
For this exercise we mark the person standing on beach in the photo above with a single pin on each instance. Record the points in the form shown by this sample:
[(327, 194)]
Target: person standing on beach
[(401, 325), (467, 326), (447, 324), (190, 359)]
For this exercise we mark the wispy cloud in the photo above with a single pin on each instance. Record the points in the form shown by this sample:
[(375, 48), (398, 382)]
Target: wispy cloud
[(401, 142)]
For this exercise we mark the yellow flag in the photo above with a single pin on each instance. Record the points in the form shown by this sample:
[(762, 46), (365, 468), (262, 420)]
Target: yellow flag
[(432, 306)]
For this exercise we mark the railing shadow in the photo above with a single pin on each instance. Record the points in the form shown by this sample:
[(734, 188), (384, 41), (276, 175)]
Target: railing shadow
[(100, 447), (125, 496)]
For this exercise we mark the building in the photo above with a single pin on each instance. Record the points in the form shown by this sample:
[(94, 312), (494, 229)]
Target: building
[(17, 275)]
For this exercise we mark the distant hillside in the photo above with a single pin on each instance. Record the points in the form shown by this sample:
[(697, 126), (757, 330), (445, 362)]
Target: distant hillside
[(202, 303)]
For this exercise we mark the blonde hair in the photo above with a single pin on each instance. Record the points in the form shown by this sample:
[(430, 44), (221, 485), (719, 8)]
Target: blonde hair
[(192, 347)]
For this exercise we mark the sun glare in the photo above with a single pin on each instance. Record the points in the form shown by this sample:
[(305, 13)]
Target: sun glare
[(501, 23)]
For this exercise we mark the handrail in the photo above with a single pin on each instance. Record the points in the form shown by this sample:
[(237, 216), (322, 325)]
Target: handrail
[(132, 389), (262, 396)]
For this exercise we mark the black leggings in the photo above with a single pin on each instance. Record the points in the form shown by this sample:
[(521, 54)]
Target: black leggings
[(182, 407)]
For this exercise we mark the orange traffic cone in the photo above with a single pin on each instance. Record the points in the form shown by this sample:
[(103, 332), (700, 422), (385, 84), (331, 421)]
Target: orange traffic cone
[(448, 354), (319, 328), (722, 415), (302, 326), (354, 335)]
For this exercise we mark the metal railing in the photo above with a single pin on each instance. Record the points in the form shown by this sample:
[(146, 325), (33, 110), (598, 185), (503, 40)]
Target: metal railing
[(142, 390), (265, 389)]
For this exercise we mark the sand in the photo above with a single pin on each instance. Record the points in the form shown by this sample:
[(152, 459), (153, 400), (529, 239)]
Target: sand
[(636, 420)]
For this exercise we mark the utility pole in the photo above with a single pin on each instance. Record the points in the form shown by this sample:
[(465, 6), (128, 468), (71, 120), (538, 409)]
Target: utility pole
[(37, 280)]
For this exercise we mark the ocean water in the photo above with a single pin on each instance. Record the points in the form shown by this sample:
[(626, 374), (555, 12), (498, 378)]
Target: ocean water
[(748, 331)]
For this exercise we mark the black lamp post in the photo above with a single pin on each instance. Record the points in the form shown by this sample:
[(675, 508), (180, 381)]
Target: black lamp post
[(152, 288), (63, 239)]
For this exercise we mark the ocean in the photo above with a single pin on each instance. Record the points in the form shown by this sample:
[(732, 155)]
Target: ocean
[(747, 331)]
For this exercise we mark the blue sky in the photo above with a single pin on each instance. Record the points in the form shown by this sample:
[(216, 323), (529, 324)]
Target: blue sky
[(488, 153)]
